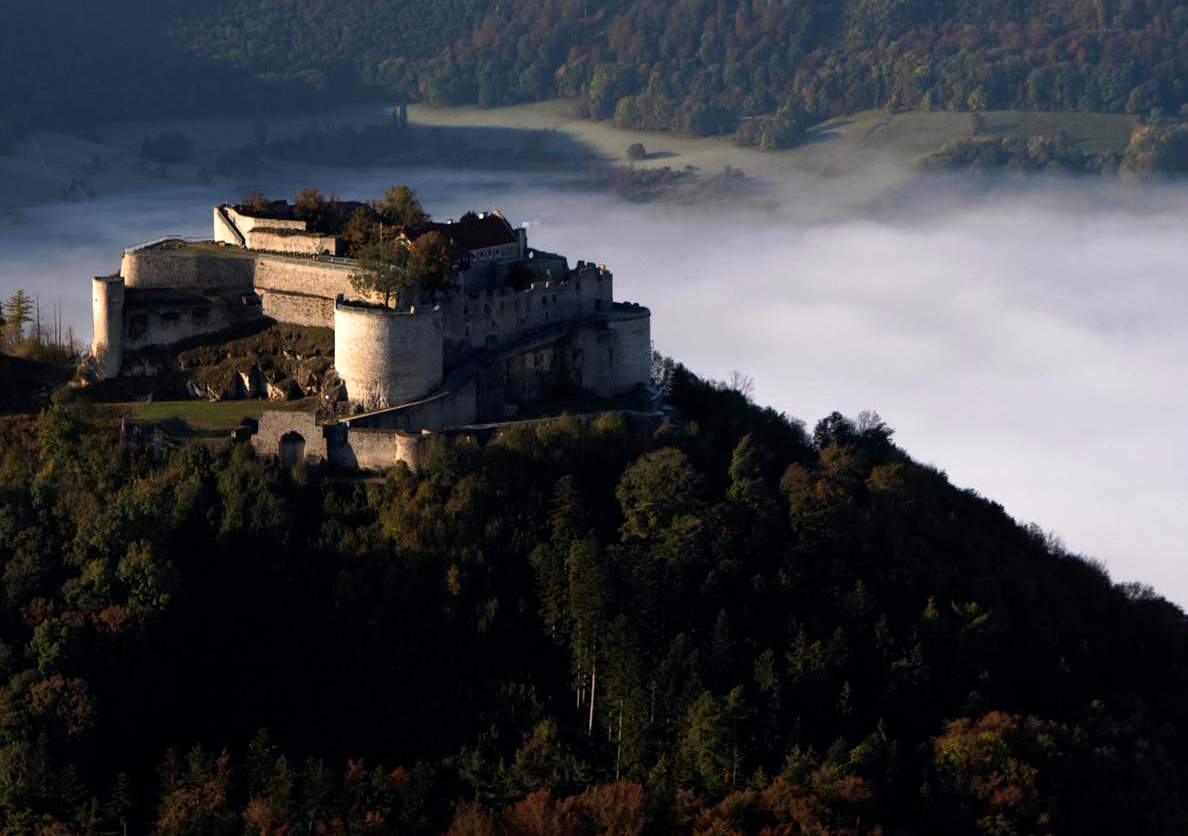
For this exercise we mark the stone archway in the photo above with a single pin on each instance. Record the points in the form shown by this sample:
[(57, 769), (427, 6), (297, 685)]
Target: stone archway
[(292, 449)]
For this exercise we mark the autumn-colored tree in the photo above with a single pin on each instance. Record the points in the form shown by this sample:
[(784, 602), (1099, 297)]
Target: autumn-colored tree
[(361, 231), (618, 809), (401, 208), (992, 764), (430, 261), (383, 271), (195, 798), (256, 202), (540, 815)]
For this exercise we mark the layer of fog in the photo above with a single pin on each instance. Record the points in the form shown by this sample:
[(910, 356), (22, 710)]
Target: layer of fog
[(1028, 340)]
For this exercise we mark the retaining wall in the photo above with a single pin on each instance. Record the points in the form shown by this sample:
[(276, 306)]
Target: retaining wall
[(148, 322), (300, 292)]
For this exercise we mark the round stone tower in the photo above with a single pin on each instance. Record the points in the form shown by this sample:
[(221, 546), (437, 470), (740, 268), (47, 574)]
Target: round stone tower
[(107, 324), (386, 357)]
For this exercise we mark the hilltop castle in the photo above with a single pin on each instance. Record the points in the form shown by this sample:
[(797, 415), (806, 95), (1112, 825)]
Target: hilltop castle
[(514, 323)]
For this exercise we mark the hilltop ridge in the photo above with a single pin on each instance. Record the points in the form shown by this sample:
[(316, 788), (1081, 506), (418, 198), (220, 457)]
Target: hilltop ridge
[(725, 626), (708, 65)]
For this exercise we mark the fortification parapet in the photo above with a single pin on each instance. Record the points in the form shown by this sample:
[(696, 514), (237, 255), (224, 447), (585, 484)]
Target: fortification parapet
[(107, 323), (246, 223), (387, 357), (176, 265)]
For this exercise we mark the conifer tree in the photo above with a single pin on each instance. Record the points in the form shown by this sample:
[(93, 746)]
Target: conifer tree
[(18, 312)]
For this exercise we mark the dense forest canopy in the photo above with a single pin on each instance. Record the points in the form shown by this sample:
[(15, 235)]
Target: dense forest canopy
[(697, 66), (725, 626)]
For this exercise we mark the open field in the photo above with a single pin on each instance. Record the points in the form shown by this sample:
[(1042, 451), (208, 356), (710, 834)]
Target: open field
[(209, 416), (832, 148)]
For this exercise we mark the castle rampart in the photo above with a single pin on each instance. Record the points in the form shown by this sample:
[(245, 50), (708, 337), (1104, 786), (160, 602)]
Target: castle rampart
[(268, 233), (386, 357), (493, 318), (279, 240), (176, 265), (247, 223), (301, 291)]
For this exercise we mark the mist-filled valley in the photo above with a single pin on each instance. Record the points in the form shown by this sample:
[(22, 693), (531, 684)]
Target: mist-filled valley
[(1025, 335)]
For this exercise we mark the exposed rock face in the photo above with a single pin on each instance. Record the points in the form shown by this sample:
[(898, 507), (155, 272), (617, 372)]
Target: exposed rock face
[(283, 362), (284, 390)]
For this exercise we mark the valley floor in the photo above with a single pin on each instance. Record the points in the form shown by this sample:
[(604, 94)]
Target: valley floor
[(860, 155)]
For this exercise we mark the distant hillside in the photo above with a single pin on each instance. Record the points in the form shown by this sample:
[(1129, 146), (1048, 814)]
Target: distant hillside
[(696, 66)]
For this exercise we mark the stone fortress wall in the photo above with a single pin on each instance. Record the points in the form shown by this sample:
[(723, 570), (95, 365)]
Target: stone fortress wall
[(279, 235), (170, 265), (490, 318), (301, 291)]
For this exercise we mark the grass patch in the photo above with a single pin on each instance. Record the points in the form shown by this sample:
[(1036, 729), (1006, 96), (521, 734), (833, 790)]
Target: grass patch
[(210, 416), (197, 248)]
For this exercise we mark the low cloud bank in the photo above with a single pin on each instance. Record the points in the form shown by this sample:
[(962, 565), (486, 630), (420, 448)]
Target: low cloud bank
[(1029, 340)]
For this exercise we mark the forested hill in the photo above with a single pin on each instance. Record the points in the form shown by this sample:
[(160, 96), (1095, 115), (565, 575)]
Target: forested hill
[(695, 66), (728, 627)]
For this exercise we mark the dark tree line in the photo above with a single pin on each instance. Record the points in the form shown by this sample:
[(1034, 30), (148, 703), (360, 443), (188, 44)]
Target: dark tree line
[(701, 67), (725, 626), (760, 70)]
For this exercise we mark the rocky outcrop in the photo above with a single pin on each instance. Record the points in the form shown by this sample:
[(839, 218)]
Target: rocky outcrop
[(280, 363)]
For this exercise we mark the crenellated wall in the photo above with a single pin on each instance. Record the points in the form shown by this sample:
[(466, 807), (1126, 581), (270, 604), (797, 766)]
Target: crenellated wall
[(492, 318), (386, 357)]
